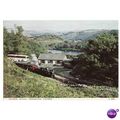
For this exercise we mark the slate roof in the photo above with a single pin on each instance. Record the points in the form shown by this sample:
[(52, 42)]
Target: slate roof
[(51, 56)]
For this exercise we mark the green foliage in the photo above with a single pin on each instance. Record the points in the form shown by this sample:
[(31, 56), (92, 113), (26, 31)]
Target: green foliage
[(47, 37), (16, 42), (13, 40), (70, 45), (49, 41), (100, 60), (28, 47)]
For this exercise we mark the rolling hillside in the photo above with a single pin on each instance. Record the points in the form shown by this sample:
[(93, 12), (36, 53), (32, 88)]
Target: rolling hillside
[(73, 35), (83, 35), (19, 83)]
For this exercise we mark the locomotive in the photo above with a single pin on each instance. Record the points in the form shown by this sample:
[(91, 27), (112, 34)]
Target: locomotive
[(36, 69)]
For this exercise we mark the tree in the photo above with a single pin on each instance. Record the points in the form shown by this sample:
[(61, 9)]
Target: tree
[(18, 39), (6, 40), (16, 42), (13, 40), (100, 60)]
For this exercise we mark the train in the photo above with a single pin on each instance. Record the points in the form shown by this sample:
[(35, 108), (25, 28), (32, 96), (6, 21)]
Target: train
[(35, 69)]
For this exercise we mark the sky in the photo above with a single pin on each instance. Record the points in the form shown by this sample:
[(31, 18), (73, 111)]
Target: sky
[(62, 26)]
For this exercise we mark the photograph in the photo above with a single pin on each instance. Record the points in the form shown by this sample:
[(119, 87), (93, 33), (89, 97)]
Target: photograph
[(60, 59)]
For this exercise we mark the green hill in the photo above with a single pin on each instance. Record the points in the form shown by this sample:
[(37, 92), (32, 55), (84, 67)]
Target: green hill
[(48, 39), (19, 83)]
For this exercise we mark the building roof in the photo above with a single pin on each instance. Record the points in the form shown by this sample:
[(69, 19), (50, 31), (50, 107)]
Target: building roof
[(17, 55), (51, 56)]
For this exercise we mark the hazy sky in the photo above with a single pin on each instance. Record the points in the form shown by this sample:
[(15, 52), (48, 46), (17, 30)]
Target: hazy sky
[(59, 26)]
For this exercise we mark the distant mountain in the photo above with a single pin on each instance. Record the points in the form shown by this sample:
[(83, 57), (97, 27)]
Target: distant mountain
[(83, 35), (73, 35)]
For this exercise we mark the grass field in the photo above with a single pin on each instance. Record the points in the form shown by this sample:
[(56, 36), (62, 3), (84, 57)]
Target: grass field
[(19, 83)]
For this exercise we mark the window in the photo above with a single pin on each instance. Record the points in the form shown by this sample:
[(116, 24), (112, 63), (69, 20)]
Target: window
[(59, 61), (51, 61), (42, 61)]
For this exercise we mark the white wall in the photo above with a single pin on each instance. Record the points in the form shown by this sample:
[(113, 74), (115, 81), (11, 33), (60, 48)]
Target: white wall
[(46, 61), (54, 62)]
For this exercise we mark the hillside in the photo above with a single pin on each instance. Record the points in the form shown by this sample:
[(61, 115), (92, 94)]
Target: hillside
[(72, 35), (46, 40), (19, 83), (84, 35)]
